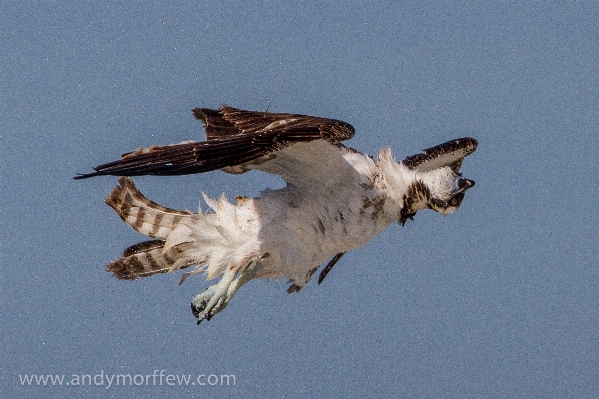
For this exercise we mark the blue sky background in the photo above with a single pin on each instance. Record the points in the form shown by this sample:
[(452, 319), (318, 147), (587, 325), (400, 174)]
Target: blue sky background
[(499, 299)]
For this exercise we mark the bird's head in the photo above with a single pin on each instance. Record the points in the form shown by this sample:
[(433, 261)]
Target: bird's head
[(445, 190), (438, 184)]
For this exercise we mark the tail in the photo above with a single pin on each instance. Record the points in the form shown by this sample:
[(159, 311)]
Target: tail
[(141, 260), (143, 215), (210, 241), (149, 257), (146, 259)]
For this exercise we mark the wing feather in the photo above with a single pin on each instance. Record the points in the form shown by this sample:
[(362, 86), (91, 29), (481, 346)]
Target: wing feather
[(451, 154), (234, 137)]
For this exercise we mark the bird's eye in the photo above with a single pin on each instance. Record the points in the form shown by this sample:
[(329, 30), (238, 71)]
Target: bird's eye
[(456, 200)]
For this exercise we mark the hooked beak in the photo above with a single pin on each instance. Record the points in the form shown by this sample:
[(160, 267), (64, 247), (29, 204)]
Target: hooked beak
[(465, 184)]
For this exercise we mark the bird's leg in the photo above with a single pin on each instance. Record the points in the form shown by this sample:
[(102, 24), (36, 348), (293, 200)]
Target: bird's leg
[(216, 297)]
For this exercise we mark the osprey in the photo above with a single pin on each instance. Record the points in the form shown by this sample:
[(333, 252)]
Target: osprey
[(336, 199)]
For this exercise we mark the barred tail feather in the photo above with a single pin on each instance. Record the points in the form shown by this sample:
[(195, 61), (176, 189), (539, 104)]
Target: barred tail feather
[(143, 215), (140, 260), (146, 259)]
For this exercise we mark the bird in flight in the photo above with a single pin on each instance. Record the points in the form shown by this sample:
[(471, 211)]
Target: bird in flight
[(336, 199)]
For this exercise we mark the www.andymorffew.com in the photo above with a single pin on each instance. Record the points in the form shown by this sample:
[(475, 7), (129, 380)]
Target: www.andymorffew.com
[(108, 380)]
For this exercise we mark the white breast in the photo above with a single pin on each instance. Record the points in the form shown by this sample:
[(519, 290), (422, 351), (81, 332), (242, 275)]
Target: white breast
[(302, 227)]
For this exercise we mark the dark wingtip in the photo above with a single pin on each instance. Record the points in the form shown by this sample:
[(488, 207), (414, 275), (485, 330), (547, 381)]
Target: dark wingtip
[(198, 114), (85, 175), (329, 266)]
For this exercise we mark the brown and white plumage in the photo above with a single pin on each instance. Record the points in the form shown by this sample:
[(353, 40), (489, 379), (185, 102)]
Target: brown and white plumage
[(234, 137), (153, 220), (336, 199)]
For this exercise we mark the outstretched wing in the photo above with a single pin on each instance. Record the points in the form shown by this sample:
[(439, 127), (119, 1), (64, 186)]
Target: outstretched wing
[(235, 139)]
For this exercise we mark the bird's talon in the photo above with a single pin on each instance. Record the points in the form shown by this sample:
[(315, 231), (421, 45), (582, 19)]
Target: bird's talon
[(196, 310)]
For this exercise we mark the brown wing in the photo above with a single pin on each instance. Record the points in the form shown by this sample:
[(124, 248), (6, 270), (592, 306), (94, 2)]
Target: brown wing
[(451, 154), (234, 137)]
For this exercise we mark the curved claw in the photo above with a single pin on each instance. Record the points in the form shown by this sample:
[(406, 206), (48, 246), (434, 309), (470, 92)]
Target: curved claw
[(196, 310), (216, 297)]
